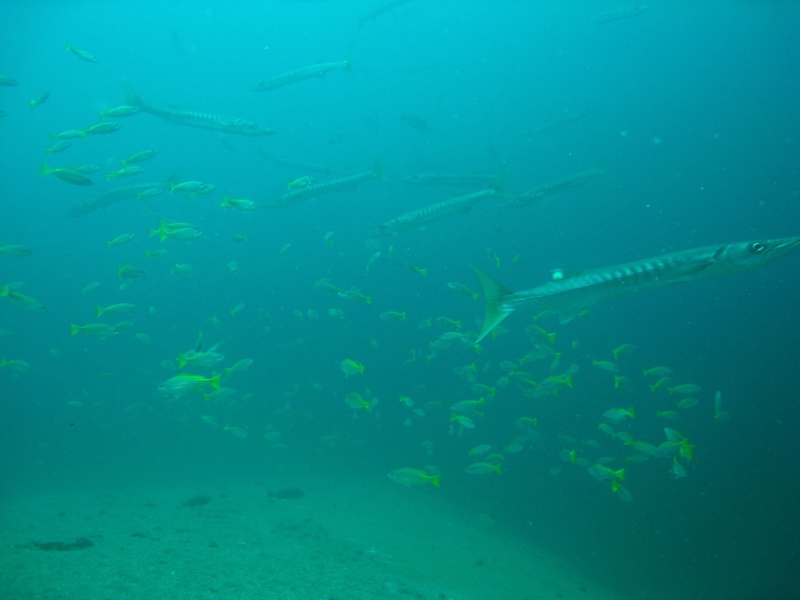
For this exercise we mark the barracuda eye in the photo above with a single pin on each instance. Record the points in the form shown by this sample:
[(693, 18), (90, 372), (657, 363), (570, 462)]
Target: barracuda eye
[(757, 247)]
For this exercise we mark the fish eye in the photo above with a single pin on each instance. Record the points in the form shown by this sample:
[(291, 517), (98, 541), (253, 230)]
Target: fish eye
[(757, 247)]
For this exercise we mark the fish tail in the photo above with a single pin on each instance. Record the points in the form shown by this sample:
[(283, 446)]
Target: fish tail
[(74, 329), (436, 480), (131, 97), (495, 293), (214, 381)]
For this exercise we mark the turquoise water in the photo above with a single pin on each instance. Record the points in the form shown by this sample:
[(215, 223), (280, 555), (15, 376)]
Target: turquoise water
[(690, 110)]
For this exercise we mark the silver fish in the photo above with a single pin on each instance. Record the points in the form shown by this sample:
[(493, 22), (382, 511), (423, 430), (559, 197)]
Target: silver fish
[(315, 70), (193, 118), (570, 295)]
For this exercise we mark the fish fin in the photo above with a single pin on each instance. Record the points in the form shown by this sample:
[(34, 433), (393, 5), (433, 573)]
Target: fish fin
[(377, 168), (131, 97), (495, 292), (214, 381), (500, 182)]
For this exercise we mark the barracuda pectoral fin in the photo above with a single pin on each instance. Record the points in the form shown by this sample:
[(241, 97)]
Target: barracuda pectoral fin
[(495, 292)]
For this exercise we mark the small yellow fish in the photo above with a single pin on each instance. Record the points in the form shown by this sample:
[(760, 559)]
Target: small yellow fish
[(129, 272), (124, 172), (120, 111), (463, 290), (354, 294), (67, 134), (669, 415), (116, 309), (67, 175), (300, 182), (463, 421), (620, 382), (356, 402), (602, 472), (657, 372), (418, 270), (479, 450), (660, 383), (59, 146), (414, 477), (149, 193), (350, 367), (138, 157), (615, 415), (393, 315), (238, 203), (622, 350), (184, 383), (101, 330), (122, 238), (102, 127), (82, 54), (685, 389), (484, 468), (606, 365), (15, 250), (40, 99)]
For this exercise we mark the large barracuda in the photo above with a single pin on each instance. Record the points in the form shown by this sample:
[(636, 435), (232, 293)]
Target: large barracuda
[(193, 118), (570, 295)]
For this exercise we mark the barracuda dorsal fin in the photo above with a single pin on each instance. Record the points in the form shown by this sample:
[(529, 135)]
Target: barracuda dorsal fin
[(495, 292)]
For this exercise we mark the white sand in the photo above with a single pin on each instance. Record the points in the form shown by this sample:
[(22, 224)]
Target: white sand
[(344, 540)]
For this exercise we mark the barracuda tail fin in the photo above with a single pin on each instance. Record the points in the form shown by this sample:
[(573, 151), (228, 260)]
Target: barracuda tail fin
[(131, 97), (495, 293)]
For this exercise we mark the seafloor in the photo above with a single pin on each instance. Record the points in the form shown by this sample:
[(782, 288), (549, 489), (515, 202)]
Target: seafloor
[(343, 540)]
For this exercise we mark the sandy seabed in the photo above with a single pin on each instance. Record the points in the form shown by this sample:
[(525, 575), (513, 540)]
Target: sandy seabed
[(343, 540)]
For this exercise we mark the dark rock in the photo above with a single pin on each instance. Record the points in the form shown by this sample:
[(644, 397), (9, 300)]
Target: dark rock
[(197, 501), (78, 544), (287, 494)]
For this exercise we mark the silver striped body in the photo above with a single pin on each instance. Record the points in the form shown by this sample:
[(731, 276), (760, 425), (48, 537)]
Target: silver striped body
[(585, 289), (348, 183), (434, 212), (223, 123), (571, 295)]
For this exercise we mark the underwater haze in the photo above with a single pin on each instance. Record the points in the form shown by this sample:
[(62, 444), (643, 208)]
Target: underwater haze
[(236, 247)]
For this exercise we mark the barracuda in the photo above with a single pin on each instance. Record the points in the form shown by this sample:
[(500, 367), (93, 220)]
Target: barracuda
[(555, 187), (433, 212), (348, 183), (570, 295), (316, 70), (192, 118)]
